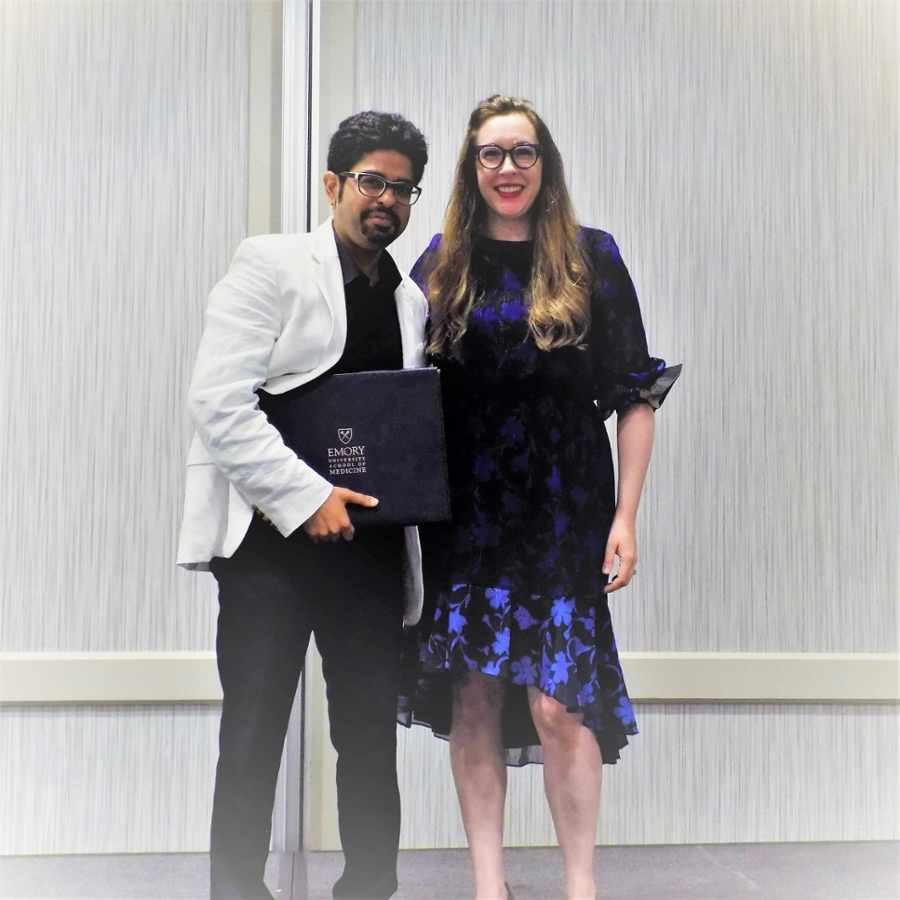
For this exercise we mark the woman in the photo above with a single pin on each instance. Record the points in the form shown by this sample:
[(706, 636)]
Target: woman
[(533, 318)]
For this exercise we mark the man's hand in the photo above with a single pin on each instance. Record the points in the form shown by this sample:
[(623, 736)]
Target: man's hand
[(330, 521)]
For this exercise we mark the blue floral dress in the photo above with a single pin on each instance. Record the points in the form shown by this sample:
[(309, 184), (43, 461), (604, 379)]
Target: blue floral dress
[(515, 582)]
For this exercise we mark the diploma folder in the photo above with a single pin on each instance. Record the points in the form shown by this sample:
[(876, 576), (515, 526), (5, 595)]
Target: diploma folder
[(378, 433)]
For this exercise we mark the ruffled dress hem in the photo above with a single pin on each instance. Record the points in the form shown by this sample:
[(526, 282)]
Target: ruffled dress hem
[(502, 633)]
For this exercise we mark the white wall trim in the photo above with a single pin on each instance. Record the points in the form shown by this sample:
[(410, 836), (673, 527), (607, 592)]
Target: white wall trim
[(300, 61), (191, 677), (265, 108), (776, 677), (333, 95), (159, 677)]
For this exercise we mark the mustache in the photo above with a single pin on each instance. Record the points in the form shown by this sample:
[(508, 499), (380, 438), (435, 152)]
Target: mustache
[(384, 211)]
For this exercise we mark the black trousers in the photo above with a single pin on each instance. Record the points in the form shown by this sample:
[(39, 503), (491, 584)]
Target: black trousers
[(273, 593)]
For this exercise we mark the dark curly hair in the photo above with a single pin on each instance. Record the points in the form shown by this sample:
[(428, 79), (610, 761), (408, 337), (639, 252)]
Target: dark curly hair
[(365, 132)]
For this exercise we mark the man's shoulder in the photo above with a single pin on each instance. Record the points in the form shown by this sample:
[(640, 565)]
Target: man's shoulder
[(274, 247)]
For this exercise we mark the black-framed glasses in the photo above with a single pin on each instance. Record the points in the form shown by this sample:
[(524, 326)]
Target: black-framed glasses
[(372, 185), (523, 156)]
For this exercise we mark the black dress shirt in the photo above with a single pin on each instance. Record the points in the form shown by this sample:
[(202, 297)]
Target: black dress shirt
[(373, 328)]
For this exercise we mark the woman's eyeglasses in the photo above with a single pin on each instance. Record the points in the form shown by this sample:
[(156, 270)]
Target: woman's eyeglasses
[(523, 156), (374, 186)]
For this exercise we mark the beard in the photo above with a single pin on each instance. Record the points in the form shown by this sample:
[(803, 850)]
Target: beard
[(376, 233)]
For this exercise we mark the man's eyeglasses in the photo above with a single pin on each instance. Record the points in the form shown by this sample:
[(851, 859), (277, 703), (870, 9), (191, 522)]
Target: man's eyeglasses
[(374, 186), (523, 156)]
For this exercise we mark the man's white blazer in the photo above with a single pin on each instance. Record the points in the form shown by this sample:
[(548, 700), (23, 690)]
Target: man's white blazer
[(275, 321)]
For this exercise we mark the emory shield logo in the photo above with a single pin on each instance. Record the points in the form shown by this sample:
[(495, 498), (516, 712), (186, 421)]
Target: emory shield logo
[(345, 435)]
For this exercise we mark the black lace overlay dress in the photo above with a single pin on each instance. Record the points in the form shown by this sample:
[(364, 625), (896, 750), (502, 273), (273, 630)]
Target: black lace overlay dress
[(516, 586)]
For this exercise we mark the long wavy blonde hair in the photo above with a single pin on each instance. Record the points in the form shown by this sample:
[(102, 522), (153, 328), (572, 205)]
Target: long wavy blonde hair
[(559, 311)]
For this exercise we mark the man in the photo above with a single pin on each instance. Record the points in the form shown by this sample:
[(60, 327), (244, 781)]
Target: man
[(277, 535)]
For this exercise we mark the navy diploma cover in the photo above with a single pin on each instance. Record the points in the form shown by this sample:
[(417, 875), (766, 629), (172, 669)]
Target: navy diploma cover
[(378, 433)]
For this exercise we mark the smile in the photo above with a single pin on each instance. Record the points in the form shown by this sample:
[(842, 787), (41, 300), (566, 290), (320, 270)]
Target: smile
[(510, 189)]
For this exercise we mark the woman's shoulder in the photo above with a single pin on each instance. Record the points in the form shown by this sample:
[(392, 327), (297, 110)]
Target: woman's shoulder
[(426, 262), (432, 249), (435, 244), (598, 242)]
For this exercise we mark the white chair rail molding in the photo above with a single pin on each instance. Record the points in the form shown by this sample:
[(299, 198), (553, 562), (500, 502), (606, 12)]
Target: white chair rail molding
[(191, 677)]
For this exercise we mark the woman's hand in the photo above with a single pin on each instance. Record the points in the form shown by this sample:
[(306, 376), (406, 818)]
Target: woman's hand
[(621, 543), (635, 440), (330, 522)]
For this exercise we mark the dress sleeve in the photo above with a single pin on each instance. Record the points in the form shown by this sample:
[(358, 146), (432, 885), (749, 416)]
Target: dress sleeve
[(622, 369), (425, 265)]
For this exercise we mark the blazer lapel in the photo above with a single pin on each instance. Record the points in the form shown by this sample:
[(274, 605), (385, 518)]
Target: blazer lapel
[(329, 279), (411, 310), (411, 303)]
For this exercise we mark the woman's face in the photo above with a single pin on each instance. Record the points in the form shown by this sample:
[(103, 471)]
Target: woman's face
[(509, 192)]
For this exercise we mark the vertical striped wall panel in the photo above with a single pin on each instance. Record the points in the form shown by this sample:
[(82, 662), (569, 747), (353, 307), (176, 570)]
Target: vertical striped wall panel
[(745, 156), (698, 774), (123, 177), (106, 779), (123, 174)]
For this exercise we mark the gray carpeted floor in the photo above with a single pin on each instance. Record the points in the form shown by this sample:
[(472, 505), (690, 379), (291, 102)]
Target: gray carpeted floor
[(859, 871)]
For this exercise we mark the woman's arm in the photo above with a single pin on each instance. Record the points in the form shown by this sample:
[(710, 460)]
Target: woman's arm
[(635, 427)]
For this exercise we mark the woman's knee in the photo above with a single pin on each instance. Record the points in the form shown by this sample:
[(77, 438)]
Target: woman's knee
[(552, 720)]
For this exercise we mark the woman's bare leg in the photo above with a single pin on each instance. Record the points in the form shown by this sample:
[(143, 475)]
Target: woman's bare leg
[(572, 773), (479, 771)]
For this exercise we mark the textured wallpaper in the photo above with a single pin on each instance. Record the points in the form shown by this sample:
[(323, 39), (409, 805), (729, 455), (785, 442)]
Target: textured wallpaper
[(106, 779), (123, 177), (697, 773), (124, 191), (744, 155)]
